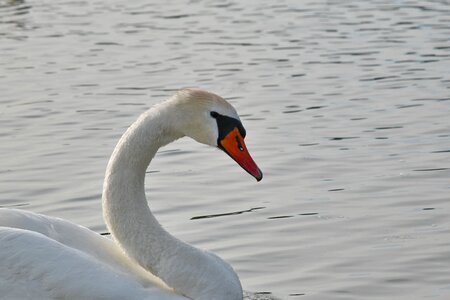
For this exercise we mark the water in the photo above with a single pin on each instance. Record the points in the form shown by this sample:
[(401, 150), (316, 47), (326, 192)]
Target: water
[(346, 106)]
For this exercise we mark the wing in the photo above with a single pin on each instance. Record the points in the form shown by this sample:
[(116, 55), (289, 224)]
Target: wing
[(49, 258)]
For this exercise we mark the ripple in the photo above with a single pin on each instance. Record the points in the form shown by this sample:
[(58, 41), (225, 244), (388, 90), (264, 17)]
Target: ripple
[(388, 127), (227, 213), (431, 169), (343, 138), (280, 217)]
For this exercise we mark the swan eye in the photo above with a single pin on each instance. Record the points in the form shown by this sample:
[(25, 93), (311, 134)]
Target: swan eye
[(226, 124)]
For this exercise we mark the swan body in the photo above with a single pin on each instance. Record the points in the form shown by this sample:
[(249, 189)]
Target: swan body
[(43, 257), (37, 264)]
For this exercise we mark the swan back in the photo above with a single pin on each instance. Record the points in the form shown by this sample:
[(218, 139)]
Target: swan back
[(44, 257)]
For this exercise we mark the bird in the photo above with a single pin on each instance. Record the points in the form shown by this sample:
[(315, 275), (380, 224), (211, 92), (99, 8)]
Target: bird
[(43, 257)]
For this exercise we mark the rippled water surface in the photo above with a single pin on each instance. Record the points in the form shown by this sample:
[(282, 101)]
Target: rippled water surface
[(346, 105)]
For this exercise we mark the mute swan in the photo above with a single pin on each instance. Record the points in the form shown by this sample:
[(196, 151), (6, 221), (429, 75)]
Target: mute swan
[(43, 257)]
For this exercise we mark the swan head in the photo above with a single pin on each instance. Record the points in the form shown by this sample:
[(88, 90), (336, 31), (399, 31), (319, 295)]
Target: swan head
[(211, 120)]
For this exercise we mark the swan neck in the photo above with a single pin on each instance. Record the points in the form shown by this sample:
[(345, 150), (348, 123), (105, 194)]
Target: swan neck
[(125, 207), (189, 271)]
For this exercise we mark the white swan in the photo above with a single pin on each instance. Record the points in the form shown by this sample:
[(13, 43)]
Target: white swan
[(49, 258)]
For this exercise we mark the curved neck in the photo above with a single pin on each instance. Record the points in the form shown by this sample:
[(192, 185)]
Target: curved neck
[(125, 207), (189, 271)]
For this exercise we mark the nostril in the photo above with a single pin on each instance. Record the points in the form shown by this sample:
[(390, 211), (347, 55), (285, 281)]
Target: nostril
[(239, 144)]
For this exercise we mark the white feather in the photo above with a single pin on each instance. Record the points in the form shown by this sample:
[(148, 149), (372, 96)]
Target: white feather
[(49, 258)]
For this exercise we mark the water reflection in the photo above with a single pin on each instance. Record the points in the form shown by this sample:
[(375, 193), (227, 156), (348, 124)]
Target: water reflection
[(12, 15), (227, 214), (15, 7)]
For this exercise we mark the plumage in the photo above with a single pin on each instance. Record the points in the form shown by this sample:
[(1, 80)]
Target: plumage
[(44, 257)]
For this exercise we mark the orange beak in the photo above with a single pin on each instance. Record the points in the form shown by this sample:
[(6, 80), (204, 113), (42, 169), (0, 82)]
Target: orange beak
[(233, 144)]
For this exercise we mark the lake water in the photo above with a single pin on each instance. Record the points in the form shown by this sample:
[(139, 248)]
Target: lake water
[(346, 106)]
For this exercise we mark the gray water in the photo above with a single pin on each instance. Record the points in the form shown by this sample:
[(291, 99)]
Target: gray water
[(346, 105)]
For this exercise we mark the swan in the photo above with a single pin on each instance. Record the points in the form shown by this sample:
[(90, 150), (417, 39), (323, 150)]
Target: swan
[(44, 257)]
